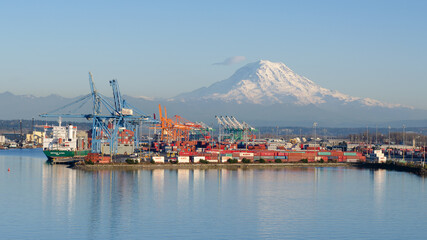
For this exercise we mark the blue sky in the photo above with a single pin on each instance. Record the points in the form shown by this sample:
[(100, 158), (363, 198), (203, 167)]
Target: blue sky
[(374, 49)]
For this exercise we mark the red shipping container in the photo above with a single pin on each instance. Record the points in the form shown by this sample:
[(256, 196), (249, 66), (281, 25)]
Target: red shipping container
[(337, 153), (186, 153), (294, 158), (267, 153)]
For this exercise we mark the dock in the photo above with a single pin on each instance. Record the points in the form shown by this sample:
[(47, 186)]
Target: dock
[(66, 161)]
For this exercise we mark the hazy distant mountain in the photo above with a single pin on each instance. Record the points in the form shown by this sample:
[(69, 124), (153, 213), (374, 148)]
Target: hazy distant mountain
[(261, 93), (266, 83), (28, 106)]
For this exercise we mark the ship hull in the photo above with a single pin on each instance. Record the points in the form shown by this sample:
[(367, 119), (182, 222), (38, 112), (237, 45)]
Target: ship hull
[(54, 154)]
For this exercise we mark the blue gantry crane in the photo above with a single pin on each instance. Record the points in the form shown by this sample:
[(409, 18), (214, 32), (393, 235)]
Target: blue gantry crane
[(108, 118)]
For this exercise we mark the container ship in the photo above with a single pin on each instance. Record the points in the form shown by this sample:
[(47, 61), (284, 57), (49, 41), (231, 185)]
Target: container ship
[(61, 142)]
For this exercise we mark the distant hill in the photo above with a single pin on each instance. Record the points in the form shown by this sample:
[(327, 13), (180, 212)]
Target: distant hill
[(262, 93), (28, 106), (14, 126)]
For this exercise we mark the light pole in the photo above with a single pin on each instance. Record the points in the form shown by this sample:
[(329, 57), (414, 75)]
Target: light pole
[(403, 141), (219, 136), (424, 155), (367, 136), (389, 128), (376, 134), (149, 141), (315, 136)]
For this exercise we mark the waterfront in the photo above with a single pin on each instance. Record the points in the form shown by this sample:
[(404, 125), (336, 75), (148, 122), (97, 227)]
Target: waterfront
[(41, 201)]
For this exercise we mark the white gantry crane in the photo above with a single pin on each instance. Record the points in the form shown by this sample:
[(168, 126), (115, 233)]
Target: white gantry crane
[(230, 127)]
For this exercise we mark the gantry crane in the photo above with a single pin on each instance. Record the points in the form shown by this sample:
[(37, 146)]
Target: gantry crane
[(107, 118), (177, 128), (230, 127)]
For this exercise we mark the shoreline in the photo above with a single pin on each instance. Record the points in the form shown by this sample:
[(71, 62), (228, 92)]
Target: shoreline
[(417, 170), (396, 166), (125, 166)]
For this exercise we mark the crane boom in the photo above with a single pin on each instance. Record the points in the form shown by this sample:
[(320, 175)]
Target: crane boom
[(95, 97), (118, 102)]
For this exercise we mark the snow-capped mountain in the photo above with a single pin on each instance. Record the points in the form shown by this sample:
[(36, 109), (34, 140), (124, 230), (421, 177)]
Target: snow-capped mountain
[(261, 93), (264, 82)]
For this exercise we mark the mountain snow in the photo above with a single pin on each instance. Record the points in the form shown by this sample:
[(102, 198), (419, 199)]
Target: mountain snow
[(265, 82)]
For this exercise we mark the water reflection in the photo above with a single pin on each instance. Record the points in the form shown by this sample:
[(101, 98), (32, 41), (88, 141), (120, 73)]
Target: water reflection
[(158, 182), (305, 203), (59, 189), (379, 185), (116, 196), (183, 176), (379, 188)]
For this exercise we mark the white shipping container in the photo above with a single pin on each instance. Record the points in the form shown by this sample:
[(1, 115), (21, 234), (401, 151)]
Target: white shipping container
[(245, 154), (225, 158), (196, 159), (159, 159), (352, 160), (213, 160), (184, 159)]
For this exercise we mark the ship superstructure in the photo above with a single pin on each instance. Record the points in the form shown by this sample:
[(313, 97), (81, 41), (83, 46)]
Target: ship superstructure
[(64, 141), (59, 137)]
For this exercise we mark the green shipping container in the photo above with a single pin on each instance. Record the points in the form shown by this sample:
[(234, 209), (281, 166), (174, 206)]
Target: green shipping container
[(350, 154), (324, 153)]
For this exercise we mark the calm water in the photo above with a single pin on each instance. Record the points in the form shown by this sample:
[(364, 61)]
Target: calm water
[(40, 201)]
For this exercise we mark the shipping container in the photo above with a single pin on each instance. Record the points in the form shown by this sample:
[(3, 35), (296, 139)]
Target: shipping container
[(186, 153), (294, 159), (246, 154), (183, 159), (212, 160), (264, 154), (159, 159), (196, 159), (336, 153), (350, 154)]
